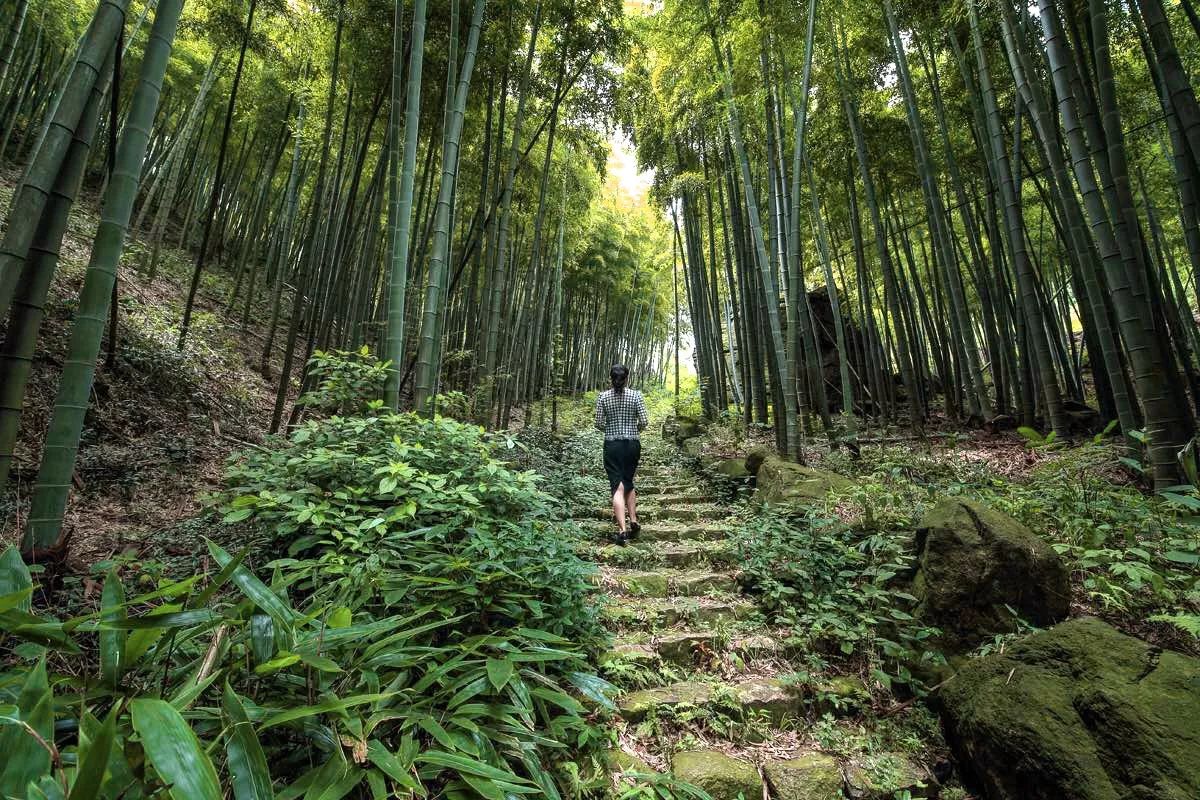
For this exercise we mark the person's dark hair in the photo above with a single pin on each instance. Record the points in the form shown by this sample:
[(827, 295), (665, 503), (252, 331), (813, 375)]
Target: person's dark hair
[(619, 375)]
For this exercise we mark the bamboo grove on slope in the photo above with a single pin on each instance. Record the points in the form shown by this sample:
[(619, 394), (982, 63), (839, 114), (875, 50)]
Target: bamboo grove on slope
[(998, 203), (422, 178)]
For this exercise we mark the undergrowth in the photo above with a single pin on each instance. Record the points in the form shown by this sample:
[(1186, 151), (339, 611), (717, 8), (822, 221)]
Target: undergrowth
[(418, 625)]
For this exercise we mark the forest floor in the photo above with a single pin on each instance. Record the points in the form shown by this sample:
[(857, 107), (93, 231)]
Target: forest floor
[(163, 421)]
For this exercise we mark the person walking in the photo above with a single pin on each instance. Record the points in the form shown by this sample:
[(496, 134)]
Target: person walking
[(621, 416)]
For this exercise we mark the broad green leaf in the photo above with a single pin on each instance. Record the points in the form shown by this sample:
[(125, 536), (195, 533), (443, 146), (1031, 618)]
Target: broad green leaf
[(467, 766), (112, 641), (93, 759), (499, 670), (593, 687), (14, 576), (165, 621), (281, 661), (174, 752), (258, 592), (434, 729), (246, 761), (293, 714), (26, 760), (340, 617)]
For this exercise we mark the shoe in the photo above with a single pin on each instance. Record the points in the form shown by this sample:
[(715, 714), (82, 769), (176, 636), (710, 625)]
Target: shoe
[(618, 538), (634, 529)]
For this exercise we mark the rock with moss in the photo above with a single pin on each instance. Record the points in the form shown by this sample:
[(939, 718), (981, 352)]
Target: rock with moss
[(645, 584), (768, 696), (636, 705), (681, 648), (974, 564), (883, 776), (685, 427), (1079, 711), (755, 458), (732, 468), (723, 777), (812, 776), (786, 483), (626, 765), (841, 695)]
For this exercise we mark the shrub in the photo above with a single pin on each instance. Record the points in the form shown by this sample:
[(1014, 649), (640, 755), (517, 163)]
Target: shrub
[(832, 588), (344, 381), (436, 638)]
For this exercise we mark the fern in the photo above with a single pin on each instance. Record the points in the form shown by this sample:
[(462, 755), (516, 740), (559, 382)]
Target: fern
[(1185, 622)]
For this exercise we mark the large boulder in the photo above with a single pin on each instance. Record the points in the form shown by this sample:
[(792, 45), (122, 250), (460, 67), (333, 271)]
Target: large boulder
[(1078, 712), (755, 458), (685, 427), (787, 483), (974, 564), (723, 777)]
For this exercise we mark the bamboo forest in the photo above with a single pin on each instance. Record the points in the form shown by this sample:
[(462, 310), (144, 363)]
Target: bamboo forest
[(628, 399)]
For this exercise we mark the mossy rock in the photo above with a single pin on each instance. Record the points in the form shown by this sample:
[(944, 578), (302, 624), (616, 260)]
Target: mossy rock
[(734, 468), (1079, 711), (686, 427), (622, 764), (812, 776), (785, 483), (883, 776), (769, 696), (697, 584), (644, 584), (974, 564), (629, 653), (755, 458), (841, 695), (636, 705), (680, 648), (723, 777)]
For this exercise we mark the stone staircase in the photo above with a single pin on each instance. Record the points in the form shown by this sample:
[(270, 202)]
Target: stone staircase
[(706, 693)]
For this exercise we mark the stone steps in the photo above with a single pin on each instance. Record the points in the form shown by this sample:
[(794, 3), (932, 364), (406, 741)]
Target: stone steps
[(647, 553), (666, 583), (768, 696), (650, 514), (664, 532), (649, 613), (686, 648)]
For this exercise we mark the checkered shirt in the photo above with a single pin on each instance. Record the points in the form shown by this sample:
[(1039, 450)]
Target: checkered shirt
[(621, 416)]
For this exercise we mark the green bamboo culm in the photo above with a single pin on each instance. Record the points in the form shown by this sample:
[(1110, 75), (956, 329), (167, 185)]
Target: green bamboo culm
[(75, 387), (427, 360), (41, 261), (401, 192), (44, 165)]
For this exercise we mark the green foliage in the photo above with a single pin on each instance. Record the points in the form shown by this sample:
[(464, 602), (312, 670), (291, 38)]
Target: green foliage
[(832, 587), (347, 483), (444, 650), (1128, 551), (345, 382)]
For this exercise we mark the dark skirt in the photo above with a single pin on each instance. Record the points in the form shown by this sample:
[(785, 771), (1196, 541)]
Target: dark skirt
[(621, 458)]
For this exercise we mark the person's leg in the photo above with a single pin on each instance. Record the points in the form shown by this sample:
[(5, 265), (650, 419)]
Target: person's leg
[(618, 503), (631, 495)]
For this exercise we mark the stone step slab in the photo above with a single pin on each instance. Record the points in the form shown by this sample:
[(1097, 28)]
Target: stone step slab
[(759, 695), (721, 776), (672, 583), (664, 532), (656, 613), (670, 554), (651, 514)]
